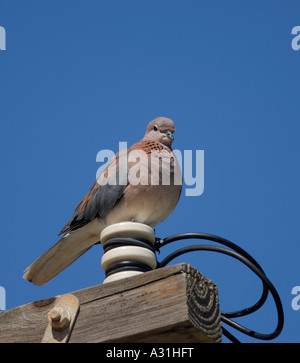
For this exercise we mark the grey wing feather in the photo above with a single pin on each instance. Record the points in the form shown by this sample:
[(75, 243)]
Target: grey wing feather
[(103, 195)]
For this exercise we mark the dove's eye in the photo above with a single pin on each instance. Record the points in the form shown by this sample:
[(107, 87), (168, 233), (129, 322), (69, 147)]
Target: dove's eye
[(155, 128)]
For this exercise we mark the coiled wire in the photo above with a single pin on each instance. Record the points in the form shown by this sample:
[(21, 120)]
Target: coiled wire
[(238, 253)]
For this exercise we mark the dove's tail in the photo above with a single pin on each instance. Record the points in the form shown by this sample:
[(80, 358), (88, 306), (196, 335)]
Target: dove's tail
[(57, 258)]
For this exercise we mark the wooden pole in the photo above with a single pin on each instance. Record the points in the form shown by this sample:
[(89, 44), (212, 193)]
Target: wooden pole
[(174, 304)]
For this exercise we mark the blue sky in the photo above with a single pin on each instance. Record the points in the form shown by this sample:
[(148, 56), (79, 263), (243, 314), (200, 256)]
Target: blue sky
[(81, 76)]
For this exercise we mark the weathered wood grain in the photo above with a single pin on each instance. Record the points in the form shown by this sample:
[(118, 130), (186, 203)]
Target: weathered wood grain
[(26, 323), (169, 305)]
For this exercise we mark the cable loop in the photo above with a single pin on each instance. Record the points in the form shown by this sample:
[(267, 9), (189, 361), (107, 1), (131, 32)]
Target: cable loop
[(240, 254)]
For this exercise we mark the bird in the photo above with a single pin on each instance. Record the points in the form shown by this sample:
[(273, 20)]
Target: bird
[(140, 184)]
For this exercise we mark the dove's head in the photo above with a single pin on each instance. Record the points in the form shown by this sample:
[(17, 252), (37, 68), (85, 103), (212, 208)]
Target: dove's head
[(161, 130)]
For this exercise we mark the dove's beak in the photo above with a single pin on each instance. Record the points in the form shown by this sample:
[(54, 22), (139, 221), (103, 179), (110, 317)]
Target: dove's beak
[(169, 135)]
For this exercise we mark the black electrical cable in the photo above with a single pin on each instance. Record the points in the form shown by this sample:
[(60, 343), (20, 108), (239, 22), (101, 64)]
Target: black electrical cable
[(229, 335), (243, 256), (234, 247)]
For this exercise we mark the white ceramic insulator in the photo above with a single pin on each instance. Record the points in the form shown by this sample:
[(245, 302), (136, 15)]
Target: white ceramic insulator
[(121, 275), (125, 253), (128, 229)]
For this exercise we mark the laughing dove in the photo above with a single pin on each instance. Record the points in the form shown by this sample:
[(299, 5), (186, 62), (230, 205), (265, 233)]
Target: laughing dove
[(140, 184)]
